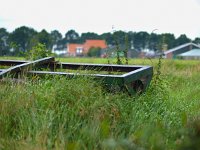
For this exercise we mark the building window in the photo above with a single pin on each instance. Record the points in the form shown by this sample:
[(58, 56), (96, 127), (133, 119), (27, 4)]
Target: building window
[(79, 50)]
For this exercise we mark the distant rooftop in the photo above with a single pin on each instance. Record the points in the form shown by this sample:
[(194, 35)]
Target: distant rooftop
[(193, 52), (181, 46)]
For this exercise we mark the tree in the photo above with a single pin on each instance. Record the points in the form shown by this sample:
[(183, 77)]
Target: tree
[(56, 36), (71, 36), (153, 41), (21, 37), (42, 37), (45, 38), (182, 39), (89, 35), (108, 37), (4, 47), (197, 40), (141, 40), (131, 38), (166, 41), (119, 37)]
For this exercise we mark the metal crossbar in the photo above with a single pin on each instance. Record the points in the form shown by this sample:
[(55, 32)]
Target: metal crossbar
[(133, 78), (25, 66)]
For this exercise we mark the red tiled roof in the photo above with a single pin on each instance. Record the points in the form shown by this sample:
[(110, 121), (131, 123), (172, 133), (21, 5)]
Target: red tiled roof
[(94, 43), (86, 46)]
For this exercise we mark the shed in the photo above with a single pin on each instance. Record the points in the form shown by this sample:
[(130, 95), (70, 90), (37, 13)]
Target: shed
[(192, 54), (174, 52)]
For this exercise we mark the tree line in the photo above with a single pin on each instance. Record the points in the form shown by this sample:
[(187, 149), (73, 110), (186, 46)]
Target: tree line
[(22, 39)]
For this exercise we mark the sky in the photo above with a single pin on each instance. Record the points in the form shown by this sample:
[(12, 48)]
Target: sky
[(100, 16)]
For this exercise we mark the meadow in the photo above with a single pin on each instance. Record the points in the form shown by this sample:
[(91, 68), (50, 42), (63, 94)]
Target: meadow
[(59, 113)]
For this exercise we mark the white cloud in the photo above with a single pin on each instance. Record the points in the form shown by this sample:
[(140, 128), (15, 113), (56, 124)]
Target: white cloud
[(175, 16)]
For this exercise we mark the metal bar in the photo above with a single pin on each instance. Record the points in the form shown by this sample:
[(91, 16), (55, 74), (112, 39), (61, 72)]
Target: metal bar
[(25, 66), (107, 79), (2, 70), (137, 74), (80, 66), (131, 78), (101, 67), (66, 73), (12, 62)]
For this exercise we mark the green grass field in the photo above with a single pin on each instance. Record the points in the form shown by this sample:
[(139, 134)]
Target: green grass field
[(78, 113)]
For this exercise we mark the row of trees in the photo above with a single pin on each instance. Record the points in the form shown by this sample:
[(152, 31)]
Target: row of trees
[(22, 39)]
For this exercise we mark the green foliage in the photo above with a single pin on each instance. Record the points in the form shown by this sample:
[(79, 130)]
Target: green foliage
[(94, 52), (56, 36), (197, 40), (42, 37), (182, 39), (192, 141), (167, 41), (37, 52), (71, 37), (4, 42), (140, 40), (21, 37), (15, 49), (118, 51), (89, 35), (26, 37), (77, 113), (126, 49), (121, 53), (108, 37)]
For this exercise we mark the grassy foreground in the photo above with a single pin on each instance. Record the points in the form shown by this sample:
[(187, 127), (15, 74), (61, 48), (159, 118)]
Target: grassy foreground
[(78, 114)]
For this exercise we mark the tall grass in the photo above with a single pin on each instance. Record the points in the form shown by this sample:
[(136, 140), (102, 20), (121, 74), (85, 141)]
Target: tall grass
[(61, 113)]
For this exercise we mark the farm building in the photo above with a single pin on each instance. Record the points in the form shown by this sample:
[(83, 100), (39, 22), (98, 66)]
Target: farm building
[(192, 54), (82, 49), (174, 52)]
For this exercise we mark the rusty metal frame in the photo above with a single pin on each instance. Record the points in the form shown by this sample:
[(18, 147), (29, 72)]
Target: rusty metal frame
[(134, 78)]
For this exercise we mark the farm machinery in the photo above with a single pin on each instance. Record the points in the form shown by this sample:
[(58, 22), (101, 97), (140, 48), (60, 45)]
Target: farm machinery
[(132, 78)]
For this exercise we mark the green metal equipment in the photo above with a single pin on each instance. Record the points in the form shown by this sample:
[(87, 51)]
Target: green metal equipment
[(132, 78)]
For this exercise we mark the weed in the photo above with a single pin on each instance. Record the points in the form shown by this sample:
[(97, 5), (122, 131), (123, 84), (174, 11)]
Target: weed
[(37, 52), (60, 113)]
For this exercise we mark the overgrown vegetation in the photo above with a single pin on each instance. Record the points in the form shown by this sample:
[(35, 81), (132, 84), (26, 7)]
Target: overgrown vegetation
[(77, 113), (37, 52), (94, 52), (120, 51)]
